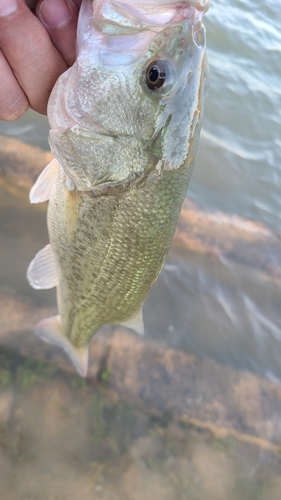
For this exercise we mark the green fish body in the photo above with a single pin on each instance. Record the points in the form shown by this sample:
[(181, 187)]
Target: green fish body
[(124, 126)]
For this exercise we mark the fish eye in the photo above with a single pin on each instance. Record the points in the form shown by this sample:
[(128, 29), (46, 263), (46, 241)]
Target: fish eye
[(158, 74)]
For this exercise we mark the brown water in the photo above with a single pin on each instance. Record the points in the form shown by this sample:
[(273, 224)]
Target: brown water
[(221, 309), (62, 438)]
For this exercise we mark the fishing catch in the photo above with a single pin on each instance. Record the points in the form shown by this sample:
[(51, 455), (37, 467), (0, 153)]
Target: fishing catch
[(124, 121)]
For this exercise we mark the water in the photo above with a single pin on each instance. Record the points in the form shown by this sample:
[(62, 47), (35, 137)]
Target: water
[(64, 440), (217, 308), (238, 166)]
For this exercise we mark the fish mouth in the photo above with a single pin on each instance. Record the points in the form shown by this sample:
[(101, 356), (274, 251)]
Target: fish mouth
[(132, 14)]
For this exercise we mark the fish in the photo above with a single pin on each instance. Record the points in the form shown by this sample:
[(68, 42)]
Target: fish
[(125, 121)]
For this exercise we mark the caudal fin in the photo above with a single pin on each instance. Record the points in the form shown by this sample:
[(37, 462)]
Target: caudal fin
[(50, 330)]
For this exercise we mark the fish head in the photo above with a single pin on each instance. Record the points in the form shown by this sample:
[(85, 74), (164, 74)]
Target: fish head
[(133, 100)]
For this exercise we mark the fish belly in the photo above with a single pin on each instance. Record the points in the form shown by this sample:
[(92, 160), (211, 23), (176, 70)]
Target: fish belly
[(110, 249)]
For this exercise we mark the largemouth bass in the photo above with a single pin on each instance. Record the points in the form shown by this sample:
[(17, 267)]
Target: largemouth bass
[(124, 121)]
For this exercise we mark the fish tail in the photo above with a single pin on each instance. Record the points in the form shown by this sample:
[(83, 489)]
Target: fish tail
[(50, 330)]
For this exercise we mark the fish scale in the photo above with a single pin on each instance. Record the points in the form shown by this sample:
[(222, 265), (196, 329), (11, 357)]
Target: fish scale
[(120, 272)]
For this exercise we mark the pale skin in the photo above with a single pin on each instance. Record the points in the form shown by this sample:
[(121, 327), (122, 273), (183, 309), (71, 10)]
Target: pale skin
[(37, 44)]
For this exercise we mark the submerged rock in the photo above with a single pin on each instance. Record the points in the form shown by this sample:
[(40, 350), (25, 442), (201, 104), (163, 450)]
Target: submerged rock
[(166, 383), (210, 233), (63, 442), (20, 162)]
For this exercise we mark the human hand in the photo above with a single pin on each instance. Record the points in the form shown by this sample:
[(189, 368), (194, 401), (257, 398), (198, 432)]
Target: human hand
[(37, 44)]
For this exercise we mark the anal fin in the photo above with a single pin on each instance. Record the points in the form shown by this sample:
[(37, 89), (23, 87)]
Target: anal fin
[(50, 331), (135, 322), (42, 189), (42, 271)]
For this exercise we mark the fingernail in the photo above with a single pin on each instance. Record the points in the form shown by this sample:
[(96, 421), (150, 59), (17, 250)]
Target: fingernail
[(55, 13), (7, 7)]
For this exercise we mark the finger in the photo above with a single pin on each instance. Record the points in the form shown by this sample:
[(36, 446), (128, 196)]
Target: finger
[(29, 51), (60, 20), (13, 101)]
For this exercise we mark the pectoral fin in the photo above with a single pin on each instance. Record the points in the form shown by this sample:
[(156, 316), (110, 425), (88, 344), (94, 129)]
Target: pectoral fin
[(42, 189), (50, 331), (135, 323), (42, 271)]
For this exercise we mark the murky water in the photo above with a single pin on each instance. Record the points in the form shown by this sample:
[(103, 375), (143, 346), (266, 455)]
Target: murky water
[(64, 439), (85, 444), (238, 168)]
